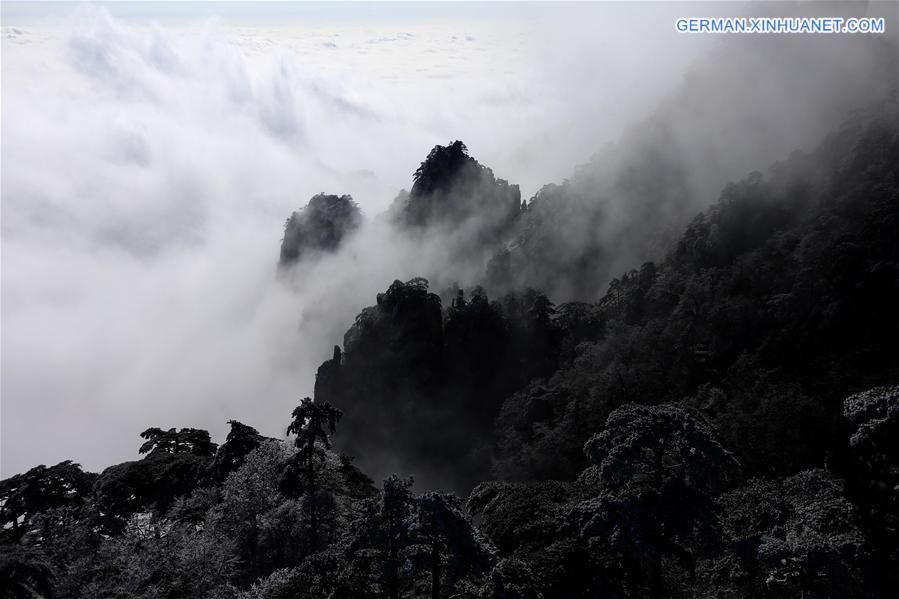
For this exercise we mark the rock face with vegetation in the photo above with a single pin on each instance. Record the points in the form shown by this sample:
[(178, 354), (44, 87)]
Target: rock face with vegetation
[(721, 422), (319, 227), (421, 385), (450, 187)]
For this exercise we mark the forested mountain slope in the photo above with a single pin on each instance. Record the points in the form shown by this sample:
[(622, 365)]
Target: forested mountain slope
[(720, 423), (785, 288)]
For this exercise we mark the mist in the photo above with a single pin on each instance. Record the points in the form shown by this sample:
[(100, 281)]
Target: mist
[(149, 162)]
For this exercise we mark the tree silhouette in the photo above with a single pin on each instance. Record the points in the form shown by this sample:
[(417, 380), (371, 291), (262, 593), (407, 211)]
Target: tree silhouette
[(313, 423), (38, 490), (382, 541), (241, 440), (185, 440), (453, 552)]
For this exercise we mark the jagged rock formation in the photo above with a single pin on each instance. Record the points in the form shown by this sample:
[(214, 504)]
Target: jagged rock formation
[(320, 227), (420, 386), (451, 189)]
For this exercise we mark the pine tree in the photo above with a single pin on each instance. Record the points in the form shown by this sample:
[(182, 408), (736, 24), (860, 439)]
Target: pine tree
[(313, 423)]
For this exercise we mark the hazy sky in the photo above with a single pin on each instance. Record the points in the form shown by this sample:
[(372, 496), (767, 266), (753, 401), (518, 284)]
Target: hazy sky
[(151, 153)]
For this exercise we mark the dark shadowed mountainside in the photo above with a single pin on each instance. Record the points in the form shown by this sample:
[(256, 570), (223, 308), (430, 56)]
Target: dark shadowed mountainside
[(420, 385), (769, 293), (731, 114)]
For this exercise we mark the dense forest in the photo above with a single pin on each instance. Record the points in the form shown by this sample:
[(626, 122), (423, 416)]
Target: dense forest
[(721, 421)]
